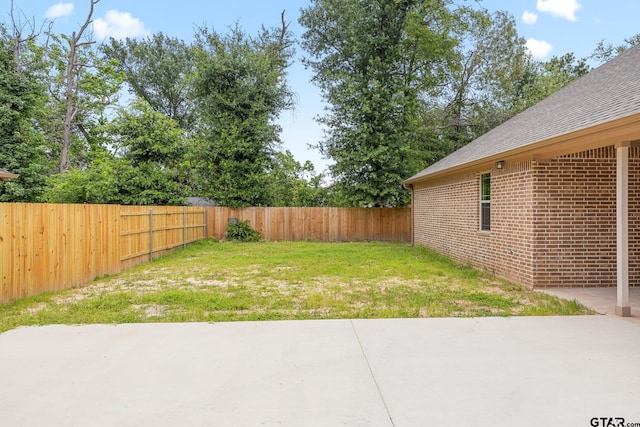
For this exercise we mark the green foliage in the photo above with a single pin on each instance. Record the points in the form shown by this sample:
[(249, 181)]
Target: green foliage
[(540, 79), (143, 135), (21, 145), (409, 82), (406, 83), (241, 231), (295, 184), (240, 90), (148, 173), (606, 51), (373, 61), (158, 69), (477, 81), (115, 181), (95, 83)]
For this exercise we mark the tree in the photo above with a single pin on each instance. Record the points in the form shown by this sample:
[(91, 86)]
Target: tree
[(23, 33), (21, 145), (142, 167), (73, 66), (605, 52), (541, 79), (115, 181), (295, 184), (473, 96), (373, 61), (158, 70), (240, 89), (143, 135), (81, 86)]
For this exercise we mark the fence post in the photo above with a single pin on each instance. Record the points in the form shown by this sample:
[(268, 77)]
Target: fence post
[(205, 234), (184, 227), (151, 234)]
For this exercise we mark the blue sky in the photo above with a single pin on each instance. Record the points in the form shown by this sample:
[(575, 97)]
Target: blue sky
[(551, 27)]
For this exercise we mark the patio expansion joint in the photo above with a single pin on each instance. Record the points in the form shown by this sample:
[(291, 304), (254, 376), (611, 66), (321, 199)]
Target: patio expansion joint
[(373, 376)]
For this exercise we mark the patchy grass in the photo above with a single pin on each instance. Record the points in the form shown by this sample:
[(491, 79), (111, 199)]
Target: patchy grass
[(212, 281)]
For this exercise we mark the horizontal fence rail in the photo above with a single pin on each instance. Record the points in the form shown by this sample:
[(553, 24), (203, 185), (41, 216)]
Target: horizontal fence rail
[(49, 247), (149, 232)]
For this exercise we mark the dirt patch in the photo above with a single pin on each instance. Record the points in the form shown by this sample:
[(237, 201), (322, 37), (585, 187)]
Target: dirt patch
[(31, 310), (195, 283), (72, 298), (151, 310)]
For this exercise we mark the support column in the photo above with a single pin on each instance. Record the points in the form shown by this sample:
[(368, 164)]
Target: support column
[(622, 229)]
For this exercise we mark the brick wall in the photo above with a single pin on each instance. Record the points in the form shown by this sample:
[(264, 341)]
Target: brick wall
[(447, 219), (575, 224), (552, 223), (512, 219), (445, 215)]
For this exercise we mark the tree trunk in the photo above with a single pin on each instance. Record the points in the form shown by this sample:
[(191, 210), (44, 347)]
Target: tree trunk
[(70, 106)]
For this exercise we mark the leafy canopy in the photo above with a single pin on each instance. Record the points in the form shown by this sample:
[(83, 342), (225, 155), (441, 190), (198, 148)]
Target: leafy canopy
[(240, 89)]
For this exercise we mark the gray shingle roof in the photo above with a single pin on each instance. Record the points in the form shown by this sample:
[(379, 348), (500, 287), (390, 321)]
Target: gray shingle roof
[(6, 174), (201, 201), (611, 91)]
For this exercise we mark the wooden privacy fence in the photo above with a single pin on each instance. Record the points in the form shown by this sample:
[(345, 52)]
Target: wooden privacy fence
[(49, 247), (317, 224), (148, 232)]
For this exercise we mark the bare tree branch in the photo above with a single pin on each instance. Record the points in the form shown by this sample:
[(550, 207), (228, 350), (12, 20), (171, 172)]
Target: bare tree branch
[(71, 109), (19, 29), (284, 29)]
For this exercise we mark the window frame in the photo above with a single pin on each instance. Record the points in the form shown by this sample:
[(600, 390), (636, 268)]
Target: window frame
[(485, 202)]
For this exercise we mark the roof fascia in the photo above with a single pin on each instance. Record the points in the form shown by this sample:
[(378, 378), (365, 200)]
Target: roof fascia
[(597, 136)]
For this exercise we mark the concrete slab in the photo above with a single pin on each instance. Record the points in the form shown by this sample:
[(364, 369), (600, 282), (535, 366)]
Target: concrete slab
[(601, 300), (225, 374), (402, 372), (505, 372)]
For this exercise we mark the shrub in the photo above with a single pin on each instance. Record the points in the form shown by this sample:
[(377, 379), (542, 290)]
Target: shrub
[(241, 231)]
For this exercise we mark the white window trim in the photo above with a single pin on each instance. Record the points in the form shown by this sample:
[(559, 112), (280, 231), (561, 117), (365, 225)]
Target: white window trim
[(480, 175)]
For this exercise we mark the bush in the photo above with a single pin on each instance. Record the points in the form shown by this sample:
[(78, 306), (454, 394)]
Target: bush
[(241, 231)]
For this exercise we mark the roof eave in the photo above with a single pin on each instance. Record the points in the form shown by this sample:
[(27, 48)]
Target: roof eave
[(600, 135)]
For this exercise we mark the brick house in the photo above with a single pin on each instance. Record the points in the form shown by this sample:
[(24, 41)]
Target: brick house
[(552, 196)]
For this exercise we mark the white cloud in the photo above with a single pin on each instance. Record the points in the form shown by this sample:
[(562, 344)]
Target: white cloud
[(118, 25), (596, 21), (562, 8), (538, 48), (529, 17), (59, 10)]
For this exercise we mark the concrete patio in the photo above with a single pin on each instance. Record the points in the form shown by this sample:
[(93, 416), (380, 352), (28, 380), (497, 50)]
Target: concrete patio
[(601, 300), (528, 371)]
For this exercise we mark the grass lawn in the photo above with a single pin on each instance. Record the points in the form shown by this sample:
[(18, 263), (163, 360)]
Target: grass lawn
[(212, 281)]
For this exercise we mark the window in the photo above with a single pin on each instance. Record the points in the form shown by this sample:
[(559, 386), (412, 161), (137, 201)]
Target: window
[(485, 202)]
